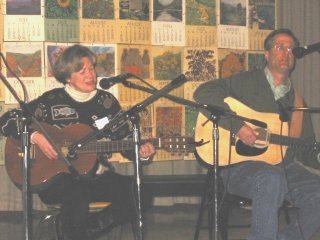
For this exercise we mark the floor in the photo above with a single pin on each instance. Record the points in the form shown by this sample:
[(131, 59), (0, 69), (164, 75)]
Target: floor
[(176, 222)]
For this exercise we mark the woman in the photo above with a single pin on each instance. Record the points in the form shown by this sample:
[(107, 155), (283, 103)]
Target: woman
[(79, 101)]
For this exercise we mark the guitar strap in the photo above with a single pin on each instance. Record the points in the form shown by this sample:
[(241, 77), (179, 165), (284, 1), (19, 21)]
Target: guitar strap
[(296, 118)]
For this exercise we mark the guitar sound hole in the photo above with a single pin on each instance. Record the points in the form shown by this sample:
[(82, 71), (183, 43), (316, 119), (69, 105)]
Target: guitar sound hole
[(246, 150)]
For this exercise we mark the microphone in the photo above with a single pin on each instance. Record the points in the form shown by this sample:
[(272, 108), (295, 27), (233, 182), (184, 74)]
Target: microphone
[(300, 52), (106, 83)]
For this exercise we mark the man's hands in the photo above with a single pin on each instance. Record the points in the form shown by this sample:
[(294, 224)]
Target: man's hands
[(247, 135)]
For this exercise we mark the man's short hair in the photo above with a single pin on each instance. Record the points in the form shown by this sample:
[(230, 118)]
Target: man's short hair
[(269, 41)]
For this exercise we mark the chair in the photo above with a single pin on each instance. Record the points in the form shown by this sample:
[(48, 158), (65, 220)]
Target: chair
[(232, 201), (99, 218), (228, 202)]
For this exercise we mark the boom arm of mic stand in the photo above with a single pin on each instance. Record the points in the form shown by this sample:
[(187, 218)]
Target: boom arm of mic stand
[(215, 110), (127, 114), (30, 118)]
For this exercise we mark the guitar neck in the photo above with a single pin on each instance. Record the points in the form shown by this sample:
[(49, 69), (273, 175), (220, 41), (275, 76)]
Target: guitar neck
[(171, 144), (288, 141), (115, 145)]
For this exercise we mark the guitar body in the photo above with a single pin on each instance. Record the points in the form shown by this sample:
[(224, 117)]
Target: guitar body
[(239, 152), (44, 171)]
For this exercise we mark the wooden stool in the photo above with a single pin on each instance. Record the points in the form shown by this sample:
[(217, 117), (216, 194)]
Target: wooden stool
[(48, 226)]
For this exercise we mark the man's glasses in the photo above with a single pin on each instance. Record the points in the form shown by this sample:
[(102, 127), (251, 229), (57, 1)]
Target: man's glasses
[(282, 48)]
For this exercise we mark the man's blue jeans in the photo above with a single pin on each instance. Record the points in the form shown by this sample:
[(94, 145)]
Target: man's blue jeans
[(267, 186)]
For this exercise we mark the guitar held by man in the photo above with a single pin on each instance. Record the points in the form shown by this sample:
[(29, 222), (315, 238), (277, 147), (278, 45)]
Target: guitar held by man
[(270, 146)]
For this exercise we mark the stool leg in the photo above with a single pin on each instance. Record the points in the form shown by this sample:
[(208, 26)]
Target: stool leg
[(38, 232), (135, 229), (57, 232), (46, 222)]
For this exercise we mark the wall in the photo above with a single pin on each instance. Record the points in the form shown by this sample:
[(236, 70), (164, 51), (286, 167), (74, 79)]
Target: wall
[(303, 18)]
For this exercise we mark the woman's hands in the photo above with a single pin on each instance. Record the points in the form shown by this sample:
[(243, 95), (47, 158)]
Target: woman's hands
[(146, 150), (44, 145)]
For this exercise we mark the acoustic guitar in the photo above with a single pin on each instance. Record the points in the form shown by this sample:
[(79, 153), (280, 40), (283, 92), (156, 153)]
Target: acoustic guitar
[(270, 146), (44, 171)]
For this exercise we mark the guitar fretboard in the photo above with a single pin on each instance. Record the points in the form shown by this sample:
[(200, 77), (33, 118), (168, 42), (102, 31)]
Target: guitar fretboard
[(290, 141), (114, 146), (171, 144)]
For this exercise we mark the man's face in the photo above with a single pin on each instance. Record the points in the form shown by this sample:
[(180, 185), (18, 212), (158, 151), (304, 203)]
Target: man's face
[(86, 79), (280, 58)]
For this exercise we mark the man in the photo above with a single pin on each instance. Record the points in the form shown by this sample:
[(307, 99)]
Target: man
[(79, 101), (271, 91)]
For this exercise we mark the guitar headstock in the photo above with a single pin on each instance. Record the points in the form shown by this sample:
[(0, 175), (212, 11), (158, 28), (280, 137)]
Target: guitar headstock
[(178, 144)]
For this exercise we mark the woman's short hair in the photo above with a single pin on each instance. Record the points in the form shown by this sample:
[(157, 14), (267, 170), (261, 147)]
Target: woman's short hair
[(70, 61), (269, 41)]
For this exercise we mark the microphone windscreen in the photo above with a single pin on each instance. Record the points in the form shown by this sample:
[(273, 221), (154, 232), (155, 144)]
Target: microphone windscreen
[(299, 52), (104, 83)]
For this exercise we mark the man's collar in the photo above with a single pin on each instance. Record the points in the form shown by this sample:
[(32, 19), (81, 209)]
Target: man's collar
[(280, 90)]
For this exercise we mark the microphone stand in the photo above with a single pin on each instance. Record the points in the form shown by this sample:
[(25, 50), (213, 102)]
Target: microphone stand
[(24, 125), (215, 114), (138, 175), (216, 110), (132, 115)]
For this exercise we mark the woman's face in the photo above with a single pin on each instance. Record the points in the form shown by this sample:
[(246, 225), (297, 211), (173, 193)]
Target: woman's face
[(84, 80)]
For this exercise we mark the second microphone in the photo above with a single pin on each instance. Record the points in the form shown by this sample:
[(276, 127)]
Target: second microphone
[(106, 83)]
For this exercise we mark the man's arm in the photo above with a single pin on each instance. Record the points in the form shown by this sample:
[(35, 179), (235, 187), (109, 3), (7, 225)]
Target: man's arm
[(213, 93)]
